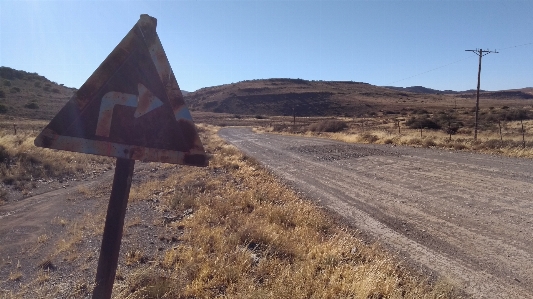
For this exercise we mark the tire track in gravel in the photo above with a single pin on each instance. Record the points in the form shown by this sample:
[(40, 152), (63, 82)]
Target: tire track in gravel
[(468, 217)]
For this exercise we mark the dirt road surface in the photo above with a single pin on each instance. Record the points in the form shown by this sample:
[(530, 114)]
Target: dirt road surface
[(23, 222), (75, 210), (467, 217)]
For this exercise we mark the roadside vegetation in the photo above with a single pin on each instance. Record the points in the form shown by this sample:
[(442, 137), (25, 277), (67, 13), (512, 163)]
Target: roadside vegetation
[(241, 233), (246, 235), (22, 164), (504, 131)]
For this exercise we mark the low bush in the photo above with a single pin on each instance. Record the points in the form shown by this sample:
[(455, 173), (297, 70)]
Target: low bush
[(422, 123), (330, 125), (515, 114), (414, 141), (428, 143), (459, 146), (31, 105), (420, 111), (370, 138)]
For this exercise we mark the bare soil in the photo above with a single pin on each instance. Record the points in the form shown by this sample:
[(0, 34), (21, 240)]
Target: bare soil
[(463, 216), (33, 230)]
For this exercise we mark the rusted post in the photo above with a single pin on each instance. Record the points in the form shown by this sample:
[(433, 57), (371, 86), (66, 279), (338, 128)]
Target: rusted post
[(293, 117), (450, 129), (420, 132), (399, 128), (114, 223), (523, 135), (15, 128), (500, 125)]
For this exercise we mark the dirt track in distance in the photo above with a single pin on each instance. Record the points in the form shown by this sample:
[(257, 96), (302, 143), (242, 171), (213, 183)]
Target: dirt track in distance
[(467, 217)]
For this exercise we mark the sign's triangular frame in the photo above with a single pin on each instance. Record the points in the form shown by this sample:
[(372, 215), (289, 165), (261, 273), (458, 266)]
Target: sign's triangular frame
[(74, 127)]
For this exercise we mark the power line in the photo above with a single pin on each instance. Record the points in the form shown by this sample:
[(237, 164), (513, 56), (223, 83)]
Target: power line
[(516, 46), (429, 71)]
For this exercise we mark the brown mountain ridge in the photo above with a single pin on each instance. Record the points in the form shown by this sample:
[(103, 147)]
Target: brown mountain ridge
[(29, 95), (330, 98)]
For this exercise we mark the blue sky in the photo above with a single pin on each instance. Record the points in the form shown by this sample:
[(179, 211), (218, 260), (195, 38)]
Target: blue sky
[(208, 43)]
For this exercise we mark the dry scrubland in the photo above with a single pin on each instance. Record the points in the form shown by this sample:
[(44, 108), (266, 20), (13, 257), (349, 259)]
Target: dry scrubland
[(511, 142), (23, 165), (244, 235)]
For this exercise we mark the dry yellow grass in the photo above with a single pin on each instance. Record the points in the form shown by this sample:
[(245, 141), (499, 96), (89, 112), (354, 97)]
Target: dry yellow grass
[(43, 238), (15, 276), (385, 131), (77, 231), (248, 236), (244, 235), (22, 163)]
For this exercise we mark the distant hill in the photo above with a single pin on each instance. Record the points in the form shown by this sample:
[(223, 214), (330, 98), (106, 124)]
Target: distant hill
[(422, 89), (307, 98), (30, 95), (512, 94), (333, 98)]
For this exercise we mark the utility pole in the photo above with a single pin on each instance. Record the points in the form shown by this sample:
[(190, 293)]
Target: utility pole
[(480, 53)]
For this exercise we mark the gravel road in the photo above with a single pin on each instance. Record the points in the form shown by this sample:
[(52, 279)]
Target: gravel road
[(465, 216)]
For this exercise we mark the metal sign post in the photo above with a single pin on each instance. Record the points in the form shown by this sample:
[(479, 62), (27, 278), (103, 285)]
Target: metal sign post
[(114, 224), (131, 108)]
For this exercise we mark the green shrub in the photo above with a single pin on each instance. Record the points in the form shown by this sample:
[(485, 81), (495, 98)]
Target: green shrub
[(515, 114), (31, 105), (14, 90), (4, 155), (420, 111), (3, 109), (2, 94), (422, 123), (7, 83), (330, 125)]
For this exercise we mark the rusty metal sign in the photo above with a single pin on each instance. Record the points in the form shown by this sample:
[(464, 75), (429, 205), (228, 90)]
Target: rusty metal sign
[(131, 107)]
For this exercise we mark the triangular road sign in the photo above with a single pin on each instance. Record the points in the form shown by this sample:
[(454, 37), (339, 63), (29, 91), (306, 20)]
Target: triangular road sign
[(131, 107)]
